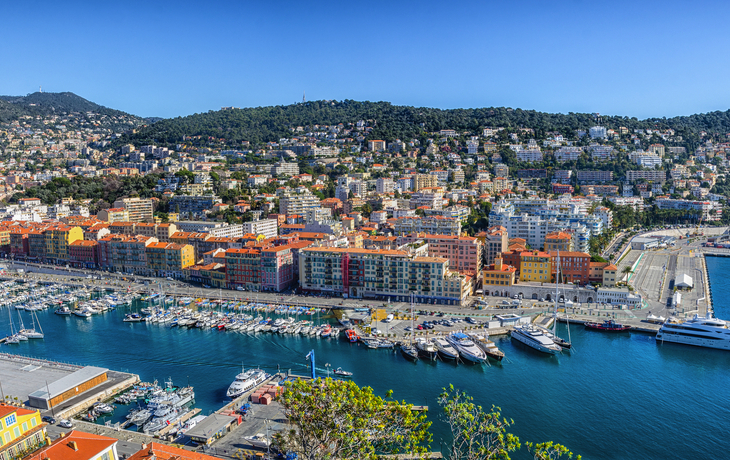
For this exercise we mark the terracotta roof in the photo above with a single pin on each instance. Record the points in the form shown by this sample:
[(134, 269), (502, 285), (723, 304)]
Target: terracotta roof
[(7, 409), (76, 445), (610, 267), (164, 452)]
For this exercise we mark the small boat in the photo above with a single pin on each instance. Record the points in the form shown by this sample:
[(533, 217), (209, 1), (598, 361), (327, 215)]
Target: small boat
[(63, 311), (609, 325), (339, 371), (351, 335), (410, 352), (132, 318), (488, 346), (426, 349), (258, 440)]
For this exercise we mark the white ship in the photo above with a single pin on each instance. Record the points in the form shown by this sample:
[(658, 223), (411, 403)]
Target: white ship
[(534, 338), (246, 381), (706, 332)]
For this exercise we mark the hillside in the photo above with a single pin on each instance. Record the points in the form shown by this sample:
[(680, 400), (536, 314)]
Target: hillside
[(50, 104), (266, 124)]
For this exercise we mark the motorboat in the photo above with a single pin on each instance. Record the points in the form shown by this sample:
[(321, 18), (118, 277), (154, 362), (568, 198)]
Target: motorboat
[(534, 338), (445, 350), (339, 371), (246, 381), (487, 346), (103, 408), (410, 352), (140, 417), (258, 440), (559, 341), (467, 349), (63, 311), (609, 326), (82, 313), (426, 349), (132, 318), (707, 331)]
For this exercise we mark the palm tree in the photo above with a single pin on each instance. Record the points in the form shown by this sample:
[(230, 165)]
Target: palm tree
[(626, 270)]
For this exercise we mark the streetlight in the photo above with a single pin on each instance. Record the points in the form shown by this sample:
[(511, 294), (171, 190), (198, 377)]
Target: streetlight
[(327, 366)]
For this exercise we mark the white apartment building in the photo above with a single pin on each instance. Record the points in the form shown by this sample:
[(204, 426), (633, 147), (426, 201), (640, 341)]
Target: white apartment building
[(266, 227), (434, 199), (568, 153), (472, 147), (384, 185), (140, 210), (529, 155), (435, 225), (634, 201), (706, 207), (597, 132), (600, 152), (501, 170), (297, 203)]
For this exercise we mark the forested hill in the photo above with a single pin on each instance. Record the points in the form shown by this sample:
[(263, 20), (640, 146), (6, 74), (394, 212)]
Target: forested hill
[(264, 124), (48, 104)]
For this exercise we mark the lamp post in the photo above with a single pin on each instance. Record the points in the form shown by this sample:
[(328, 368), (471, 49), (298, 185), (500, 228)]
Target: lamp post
[(327, 366)]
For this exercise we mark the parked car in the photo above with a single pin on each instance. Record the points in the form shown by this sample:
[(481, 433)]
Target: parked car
[(408, 329), (50, 420), (65, 424)]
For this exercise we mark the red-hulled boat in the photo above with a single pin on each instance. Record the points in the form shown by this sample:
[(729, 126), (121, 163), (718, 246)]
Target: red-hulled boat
[(609, 325), (351, 335)]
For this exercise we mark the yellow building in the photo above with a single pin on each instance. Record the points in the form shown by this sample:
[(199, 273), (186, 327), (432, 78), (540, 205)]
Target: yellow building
[(21, 432), (498, 274), (558, 241), (113, 215), (58, 239), (169, 259), (609, 276), (535, 266)]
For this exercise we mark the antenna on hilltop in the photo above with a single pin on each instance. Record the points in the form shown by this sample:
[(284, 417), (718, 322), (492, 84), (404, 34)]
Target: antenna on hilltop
[(304, 97), (40, 89)]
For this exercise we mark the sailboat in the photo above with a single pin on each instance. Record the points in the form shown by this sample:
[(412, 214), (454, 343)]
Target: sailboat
[(409, 351), (13, 337), (34, 333), (552, 334)]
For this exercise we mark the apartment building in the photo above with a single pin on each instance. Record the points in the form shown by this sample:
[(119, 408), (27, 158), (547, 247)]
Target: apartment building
[(297, 203), (84, 253), (535, 266), (140, 210), (705, 208), (113, 215), (600, 152), (420, 181), (574, 266), (376, 145), (648, 175), (495, 241), (558, 241), (381, 274), (529, 155), (436, 225), (57, 239), (125, 253), (464, 253), (595, 176), (384, 185), (568, 153), (501, 170), (193, 205), (21, 431), (169, 259), (497, 276), (267, 227), (431, 197)]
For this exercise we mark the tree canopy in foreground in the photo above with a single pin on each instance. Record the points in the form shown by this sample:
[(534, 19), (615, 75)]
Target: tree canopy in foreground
[(332, 419)]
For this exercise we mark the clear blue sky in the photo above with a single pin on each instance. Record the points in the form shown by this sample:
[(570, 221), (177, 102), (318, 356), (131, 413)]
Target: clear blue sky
[(158, 58)]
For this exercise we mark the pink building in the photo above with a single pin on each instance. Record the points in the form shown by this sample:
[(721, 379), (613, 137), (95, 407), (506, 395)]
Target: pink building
[(463, 252), (277, 268)]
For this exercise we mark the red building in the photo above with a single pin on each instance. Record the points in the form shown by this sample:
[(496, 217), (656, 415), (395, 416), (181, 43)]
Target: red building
[(19, 242), (574, 266), (84, 253), (562, 188), (243, 268)]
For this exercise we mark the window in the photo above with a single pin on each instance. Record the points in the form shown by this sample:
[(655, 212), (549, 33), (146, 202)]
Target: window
[(10, 420)]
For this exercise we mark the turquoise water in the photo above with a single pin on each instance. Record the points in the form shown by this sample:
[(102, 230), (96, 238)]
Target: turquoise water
[(618, 396)]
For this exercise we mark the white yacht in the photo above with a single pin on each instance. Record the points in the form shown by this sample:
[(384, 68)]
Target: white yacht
[(445, 349), (466, 348), (246, 381), (534, 338), (706, 332)]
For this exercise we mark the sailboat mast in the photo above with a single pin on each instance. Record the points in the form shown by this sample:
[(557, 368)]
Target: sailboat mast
[(557, 281)]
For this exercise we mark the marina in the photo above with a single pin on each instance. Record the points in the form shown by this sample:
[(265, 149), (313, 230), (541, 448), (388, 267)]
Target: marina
[(209, 359)]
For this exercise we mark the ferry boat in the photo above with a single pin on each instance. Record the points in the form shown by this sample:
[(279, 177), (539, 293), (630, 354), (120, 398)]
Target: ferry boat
[(534, 338), (246, 381), (706, 332), (466, 348), (609, 325)]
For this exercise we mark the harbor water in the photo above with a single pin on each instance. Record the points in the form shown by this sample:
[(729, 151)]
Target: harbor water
[(617, 396)]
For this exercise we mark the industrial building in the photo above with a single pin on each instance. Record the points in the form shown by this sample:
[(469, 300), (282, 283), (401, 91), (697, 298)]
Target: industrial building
[(67, 387)]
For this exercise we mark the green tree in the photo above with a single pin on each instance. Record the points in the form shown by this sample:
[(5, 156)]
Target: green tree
[(333, 419), (477, 434)]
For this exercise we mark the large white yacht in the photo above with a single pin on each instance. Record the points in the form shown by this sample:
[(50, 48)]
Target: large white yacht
[(246, 381), (702, 332), (533, 337), (466, 348)]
